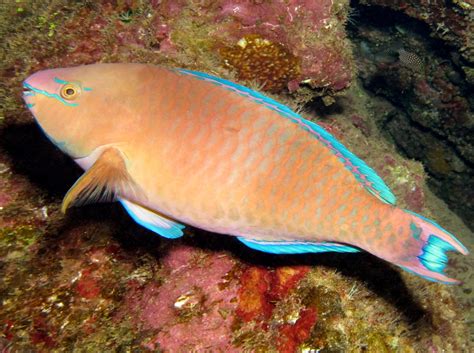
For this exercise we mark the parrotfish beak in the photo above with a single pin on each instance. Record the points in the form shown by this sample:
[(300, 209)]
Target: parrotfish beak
[(37, 91), (40, 83), (28, 94), (31, 88), (41, 80)]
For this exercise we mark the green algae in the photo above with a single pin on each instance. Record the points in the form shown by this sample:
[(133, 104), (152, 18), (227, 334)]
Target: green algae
[(328, 340), (24, 44), (376, 343), (326, 301), (251, 338), (198, 48), (19, 237)]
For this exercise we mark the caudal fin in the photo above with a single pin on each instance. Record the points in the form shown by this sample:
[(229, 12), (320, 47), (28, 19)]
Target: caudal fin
[(432, 260)]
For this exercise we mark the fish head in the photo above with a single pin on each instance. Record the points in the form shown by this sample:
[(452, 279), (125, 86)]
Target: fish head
[(82, 108)]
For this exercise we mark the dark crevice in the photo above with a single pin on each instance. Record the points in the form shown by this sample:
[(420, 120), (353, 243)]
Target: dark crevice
[(384, 123), (432, 120)]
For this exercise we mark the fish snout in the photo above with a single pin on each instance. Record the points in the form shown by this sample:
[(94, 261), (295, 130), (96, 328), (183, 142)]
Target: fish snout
[(35, 85), (38, 81), (28, 94)]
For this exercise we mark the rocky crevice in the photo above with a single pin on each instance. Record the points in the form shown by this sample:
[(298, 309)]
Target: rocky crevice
[(425, 81)]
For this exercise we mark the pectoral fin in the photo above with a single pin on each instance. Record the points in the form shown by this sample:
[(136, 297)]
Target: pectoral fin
[(103, 181)]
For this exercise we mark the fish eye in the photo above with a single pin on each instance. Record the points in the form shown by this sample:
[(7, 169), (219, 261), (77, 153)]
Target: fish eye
[(69, 91)]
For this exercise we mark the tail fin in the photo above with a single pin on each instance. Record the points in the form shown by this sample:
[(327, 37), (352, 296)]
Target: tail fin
[(432, 260)]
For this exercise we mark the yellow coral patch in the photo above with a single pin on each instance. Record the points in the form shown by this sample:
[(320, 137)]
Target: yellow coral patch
[(261, 60)]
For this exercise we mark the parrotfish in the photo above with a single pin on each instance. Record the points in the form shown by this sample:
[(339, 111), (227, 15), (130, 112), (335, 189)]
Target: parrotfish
[(177, 147)]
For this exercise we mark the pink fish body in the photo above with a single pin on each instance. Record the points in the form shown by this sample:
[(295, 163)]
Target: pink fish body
[(178, 146)]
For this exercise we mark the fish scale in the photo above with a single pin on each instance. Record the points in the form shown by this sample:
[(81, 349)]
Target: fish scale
[(179, 146)]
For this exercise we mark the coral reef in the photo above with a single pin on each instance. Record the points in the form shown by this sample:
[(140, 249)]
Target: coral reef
[(95, 281), (268, 63)]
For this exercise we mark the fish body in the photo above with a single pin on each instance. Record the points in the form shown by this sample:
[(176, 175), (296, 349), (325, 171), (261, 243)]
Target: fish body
[(178, 146)]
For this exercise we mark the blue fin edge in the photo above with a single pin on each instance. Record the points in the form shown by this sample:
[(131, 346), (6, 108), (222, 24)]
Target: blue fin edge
[(174, 232), (362, 172), (425, 277), (440, 228), (284, 247)]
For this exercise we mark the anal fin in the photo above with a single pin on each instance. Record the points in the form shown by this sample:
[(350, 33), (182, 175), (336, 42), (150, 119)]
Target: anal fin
[(295, 247), (153, 221)]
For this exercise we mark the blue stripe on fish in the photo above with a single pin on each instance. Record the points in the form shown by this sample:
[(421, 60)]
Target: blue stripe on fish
[(58, 80)]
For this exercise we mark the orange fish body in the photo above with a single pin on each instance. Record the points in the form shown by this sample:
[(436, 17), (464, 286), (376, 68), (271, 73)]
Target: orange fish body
[(183, 146)]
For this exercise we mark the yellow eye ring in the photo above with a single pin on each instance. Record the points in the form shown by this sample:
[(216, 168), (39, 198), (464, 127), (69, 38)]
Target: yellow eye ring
[(70, 91)]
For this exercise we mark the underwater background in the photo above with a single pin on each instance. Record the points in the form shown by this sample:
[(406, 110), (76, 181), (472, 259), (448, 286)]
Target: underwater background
[(392, 80)]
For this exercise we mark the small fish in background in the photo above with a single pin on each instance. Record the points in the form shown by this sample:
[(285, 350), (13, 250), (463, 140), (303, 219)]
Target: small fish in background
[(179, 146), (411, 60)]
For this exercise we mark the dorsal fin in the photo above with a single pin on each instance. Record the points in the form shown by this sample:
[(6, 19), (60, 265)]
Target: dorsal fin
[(362, 172)]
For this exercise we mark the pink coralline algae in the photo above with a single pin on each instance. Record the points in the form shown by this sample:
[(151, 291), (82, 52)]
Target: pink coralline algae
[(310, 30), (193, 308), (206, 296), (296, 41), (268, 13)]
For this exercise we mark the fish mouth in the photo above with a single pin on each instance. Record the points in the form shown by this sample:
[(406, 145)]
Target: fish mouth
[(28, 90), (28, 93)]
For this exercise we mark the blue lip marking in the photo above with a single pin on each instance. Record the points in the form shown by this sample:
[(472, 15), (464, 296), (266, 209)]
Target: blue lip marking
[(49, 95), (30, 105)]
